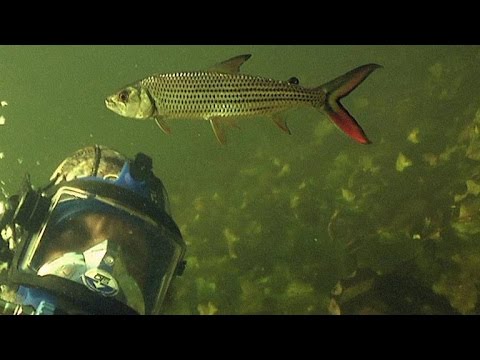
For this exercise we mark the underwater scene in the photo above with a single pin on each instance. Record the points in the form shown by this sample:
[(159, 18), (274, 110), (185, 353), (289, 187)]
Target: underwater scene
[(350, 200)]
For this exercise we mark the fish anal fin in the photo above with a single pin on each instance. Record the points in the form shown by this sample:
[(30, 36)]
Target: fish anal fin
[(281, 123), (231, 121), (162, 124), (230, 66), (218, 129)]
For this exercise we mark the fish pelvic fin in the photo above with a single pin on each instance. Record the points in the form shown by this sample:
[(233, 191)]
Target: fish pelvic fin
[(218, 129), (337, 89)]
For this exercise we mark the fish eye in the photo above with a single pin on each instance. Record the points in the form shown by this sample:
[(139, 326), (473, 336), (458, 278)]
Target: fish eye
[(123, 96)]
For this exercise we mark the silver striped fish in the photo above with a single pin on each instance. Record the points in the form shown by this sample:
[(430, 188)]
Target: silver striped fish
[(222, 94)]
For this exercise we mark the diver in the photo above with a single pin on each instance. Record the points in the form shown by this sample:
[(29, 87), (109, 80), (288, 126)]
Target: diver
[(98, 239)]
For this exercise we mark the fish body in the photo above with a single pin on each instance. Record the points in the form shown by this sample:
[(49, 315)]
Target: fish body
[(206, 95), (222, 94)]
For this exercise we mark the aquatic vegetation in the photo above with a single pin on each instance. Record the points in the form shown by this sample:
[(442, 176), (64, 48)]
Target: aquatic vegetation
[(208, 309), (414, 136), (402, 162), (459, 287)]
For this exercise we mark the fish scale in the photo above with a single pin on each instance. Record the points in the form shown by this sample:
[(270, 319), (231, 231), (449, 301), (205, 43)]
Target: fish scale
[(206, 94)]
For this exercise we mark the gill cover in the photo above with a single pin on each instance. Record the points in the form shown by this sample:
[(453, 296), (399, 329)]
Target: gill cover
[(133, 101)]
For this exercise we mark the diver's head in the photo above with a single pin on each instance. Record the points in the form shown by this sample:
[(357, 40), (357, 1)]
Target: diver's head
[(133, 101), (98, 240)]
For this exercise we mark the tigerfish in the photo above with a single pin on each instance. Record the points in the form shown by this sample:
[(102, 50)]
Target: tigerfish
[(222, 94)]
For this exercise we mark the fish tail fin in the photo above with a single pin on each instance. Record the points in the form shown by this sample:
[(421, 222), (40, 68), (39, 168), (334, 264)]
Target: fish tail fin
[(338, 88)]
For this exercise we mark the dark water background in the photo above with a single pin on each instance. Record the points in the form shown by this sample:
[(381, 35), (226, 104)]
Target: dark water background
[(276, 224)]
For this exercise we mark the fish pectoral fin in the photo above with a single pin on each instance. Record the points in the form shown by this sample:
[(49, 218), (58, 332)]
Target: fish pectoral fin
[(281, 123), (230, 66), (218, 130), (162, 124)]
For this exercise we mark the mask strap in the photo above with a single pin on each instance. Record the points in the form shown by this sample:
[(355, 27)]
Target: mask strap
[(98, 156)]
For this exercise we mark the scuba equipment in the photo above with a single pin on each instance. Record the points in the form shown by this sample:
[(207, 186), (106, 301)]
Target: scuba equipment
[(99, 239)]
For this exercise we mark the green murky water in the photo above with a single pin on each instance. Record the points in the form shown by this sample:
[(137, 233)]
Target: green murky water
[(311, 223)]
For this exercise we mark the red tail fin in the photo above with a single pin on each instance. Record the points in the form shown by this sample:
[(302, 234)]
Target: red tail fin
[(339, 88)]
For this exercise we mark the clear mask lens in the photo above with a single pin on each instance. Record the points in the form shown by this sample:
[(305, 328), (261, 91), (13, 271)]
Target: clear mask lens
[(106, 247)]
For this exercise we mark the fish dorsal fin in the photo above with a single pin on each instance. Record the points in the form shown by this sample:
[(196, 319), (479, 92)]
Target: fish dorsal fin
[(230, 66)]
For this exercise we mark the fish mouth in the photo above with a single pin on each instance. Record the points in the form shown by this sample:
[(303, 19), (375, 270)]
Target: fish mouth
[(109, 103)]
